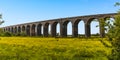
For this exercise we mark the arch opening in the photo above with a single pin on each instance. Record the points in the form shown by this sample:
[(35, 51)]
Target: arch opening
[(67, 30), (15, 30), (58, 29), (109, 21), (55, 31), (4, 29), (12, 30), (28, 30), (33, 32), (46, 30), (49, 29), (39, 29), (23, 29), (94, 27), (81, 29), (9, 29), (19, 29), (42, 30)]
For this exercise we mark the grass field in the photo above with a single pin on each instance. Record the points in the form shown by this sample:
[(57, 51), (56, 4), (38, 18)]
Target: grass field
[(33, 48)]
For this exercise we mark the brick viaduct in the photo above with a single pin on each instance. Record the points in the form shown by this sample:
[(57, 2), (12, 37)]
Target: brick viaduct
[(34, 28)]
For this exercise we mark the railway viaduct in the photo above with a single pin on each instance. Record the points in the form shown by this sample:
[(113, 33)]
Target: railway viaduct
[(35, 28)]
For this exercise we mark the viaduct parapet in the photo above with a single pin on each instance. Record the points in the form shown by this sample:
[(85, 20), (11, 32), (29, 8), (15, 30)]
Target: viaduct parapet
[(35, 28)]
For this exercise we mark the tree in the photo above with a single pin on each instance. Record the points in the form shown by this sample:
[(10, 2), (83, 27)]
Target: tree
[(1, 21), (114, 36)]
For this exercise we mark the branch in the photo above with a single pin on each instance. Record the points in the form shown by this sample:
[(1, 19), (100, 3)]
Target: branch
[(117, 4)]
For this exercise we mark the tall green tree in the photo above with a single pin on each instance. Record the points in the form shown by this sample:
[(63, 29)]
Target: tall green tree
[(114, 35), (1, 21)]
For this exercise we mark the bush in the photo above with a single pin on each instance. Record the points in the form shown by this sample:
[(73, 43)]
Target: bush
[(18, 34), (22, 34), (8, 34)]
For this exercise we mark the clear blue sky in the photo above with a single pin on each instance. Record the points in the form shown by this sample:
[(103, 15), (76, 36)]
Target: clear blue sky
[(22, 11)]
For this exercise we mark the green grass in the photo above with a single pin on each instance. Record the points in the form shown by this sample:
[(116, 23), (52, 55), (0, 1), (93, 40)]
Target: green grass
[(27, 48)]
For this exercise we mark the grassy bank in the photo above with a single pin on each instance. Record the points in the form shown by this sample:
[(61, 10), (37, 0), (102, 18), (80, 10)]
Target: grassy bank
[(27, 48)]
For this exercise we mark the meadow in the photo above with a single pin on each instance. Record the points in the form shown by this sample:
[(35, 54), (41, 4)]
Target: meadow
[(36, 48)]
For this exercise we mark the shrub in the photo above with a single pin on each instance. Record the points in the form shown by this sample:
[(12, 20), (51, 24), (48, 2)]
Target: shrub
[(18, 34), (8, 34), (22, 34)]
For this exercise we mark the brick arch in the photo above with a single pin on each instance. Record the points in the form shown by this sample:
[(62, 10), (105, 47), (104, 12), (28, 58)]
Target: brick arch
[(75, 27), (23, 28), (65, 23), (77, 21), (19, 29), (88, 25), (33, 28), (39, 29), (46, 29), (54, 28), (110, 20), (108, 17), (105, 17), (9, 29), (28, 30), (4, 29), (12, 29), (15, 29), (90, 20)]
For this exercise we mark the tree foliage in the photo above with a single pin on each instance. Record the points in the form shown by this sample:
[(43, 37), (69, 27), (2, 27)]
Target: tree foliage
[(114, 35), (1, 21)]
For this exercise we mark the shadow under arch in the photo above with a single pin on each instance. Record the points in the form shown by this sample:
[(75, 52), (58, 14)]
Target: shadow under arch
[(103, 21), (65, 28), (109, 20), (19, 29), (46, 30), (28, 30), (12, 30), (54, 28), (33, 28), (39, 29), (8, 29), (15, 29), (23, 28), (77, 27), (4, 29), (93, 27)]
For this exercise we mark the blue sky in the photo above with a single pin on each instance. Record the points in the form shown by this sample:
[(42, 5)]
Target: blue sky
[(22, 11)]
